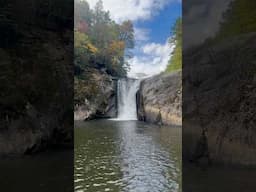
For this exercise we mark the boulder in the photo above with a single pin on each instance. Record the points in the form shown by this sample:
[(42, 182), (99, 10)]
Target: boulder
[(159, 99)]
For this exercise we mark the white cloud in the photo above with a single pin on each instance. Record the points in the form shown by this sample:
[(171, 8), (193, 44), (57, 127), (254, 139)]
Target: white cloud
[(154, 49), (132, 9), (153, 59), (141, 34)]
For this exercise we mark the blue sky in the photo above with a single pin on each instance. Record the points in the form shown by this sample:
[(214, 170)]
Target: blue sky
[(160, 25), (152, 20)]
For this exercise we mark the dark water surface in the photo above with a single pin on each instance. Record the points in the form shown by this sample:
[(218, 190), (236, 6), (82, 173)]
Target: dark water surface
[(126, 156), (218, 178), (50, 171)]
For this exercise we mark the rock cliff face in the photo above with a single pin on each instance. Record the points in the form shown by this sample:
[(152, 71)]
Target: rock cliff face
[(159, 99), (219, 81), (34, 91), (99, 99), (36, 84)]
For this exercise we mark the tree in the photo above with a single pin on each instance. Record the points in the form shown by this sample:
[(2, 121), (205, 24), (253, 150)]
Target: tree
[(99, 41), (84, 50), (126, 34), (239, 18), (116, 54), (83, 16), (175, 62)]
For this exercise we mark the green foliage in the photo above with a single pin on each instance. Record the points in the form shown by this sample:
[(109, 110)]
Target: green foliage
[(84, 50), (99, 41), (82, 16), (175, 62), (126, 34), (238, 19)]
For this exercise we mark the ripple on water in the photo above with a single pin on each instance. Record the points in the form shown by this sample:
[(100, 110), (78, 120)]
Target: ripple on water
[(125, 157)]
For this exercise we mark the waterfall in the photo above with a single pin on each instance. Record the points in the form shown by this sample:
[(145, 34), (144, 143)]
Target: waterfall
[(126, 95)]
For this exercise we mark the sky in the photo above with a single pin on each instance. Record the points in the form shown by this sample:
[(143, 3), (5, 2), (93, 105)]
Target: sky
[(152, 21)]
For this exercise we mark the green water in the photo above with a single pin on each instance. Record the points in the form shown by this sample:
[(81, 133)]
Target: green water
[(127, 156)]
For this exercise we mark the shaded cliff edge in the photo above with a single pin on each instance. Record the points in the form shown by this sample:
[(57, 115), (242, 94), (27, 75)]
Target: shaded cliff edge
[(36, 76), (219, 102), (159, 99), (99, 99), (36, 93)]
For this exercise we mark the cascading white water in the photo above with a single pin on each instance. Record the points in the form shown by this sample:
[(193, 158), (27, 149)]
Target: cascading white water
[(127, 89)]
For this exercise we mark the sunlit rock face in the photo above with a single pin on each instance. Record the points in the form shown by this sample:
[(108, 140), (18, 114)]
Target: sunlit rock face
[(219, 90), (159, 99)]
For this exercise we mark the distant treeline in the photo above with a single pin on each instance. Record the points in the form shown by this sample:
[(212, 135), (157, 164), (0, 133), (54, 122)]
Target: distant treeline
[(100, 42), (175, 62), (237, 19)]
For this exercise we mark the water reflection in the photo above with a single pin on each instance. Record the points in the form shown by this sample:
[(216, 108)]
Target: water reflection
[(96, 163), (126, 156)]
